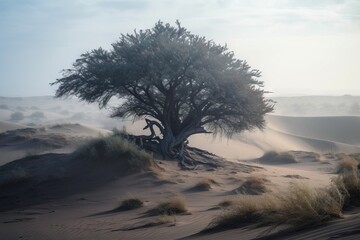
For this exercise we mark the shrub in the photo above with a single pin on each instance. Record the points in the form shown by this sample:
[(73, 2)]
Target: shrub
[(17, 116), (204, 184), (253, 185), (172, 206), (349, 185), (116, 150), (130, 203), (299, 207), (245, 210), (303, 206), (347, 164)]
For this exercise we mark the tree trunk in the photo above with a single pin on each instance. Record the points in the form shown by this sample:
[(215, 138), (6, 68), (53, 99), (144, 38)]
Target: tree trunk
[(174, 147), (170, 146)]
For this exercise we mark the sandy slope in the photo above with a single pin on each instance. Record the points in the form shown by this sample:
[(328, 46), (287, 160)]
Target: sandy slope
[(320, 134), (285, 134), (343, 129), (6, 126), (86, 213), (59, 208), (62, 138)]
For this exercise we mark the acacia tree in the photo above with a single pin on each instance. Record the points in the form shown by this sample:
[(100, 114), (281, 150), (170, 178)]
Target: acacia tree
[(186, 84)]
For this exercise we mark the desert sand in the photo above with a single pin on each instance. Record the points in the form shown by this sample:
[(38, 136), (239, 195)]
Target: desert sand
[(54, 196)]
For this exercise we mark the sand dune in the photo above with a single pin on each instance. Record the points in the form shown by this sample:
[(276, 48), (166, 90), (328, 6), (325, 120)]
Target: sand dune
[(6, 126), (52, 197), (343, 129), (285, 134), (59, 138)]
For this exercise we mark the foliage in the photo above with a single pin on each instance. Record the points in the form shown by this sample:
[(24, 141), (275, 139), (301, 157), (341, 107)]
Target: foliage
[(130, 204), (349, 184), (115, 149), (172, 206), (185, 83)]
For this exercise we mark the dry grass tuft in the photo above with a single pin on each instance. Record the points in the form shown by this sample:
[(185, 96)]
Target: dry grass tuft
[(347, 164), (254, 185), (172, 206), (130, 204), (349, 185), (244, 211), (204, 184), (303, 206), (116, 150), (299, 207)]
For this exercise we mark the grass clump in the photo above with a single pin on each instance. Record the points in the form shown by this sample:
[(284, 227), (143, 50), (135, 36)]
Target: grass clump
[(115, 149), (303, 206), (172, 206), (347, 164), (204, 185), (254, 185), (349, 185), (130, 204), (299, 207), (244, 211)]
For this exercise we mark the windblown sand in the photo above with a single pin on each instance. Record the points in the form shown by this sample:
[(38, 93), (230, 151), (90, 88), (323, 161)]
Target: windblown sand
[(56, 207)]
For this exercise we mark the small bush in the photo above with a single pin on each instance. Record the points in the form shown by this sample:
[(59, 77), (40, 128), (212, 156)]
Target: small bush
[(299, 207), (253, 185), (244, 211), (204, 185), (347, 164), (118, 150), (130, 204), (303, 206), (349, 185), (174, 205), (17, 116)]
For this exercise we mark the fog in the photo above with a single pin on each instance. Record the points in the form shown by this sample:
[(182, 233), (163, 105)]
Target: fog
[(301, 47)]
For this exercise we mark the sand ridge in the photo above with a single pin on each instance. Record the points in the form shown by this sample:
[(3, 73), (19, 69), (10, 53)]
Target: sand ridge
[(54, 197)]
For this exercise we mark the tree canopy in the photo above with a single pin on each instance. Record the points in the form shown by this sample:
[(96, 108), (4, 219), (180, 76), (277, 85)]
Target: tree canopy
[(183, 82)]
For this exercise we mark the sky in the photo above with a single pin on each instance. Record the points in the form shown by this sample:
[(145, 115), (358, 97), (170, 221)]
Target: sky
[(302, 47)]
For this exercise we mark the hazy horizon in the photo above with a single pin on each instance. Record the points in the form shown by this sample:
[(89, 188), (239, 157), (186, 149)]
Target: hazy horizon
[(301, 47)]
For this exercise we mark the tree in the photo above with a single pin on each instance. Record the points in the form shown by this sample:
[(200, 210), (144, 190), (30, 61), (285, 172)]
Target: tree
[(184, 83)]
